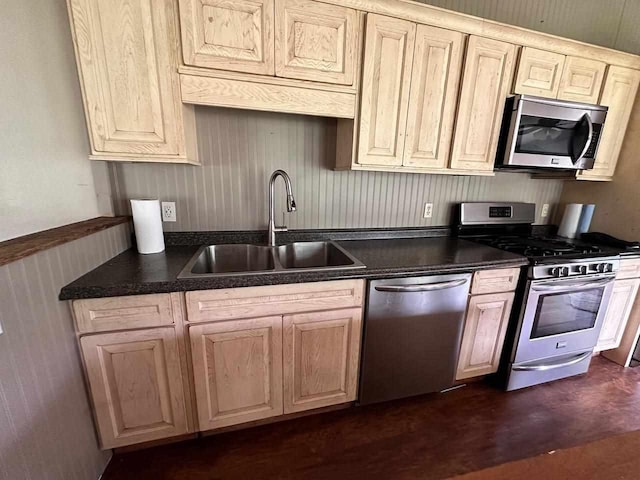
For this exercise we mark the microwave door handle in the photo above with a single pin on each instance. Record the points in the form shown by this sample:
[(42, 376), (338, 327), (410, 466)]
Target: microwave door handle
[(572, 286), (589, 137)]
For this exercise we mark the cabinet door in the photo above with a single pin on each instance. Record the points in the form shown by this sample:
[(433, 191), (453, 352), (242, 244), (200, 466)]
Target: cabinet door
[(484, 333), (321, 357), (620, 88), (437, 64), (581, 80), (486, 82), (232, 35), (127, 66), (136, 385), (615, 321), (385, 90), (539, 73), (237, 368), (316, 41)]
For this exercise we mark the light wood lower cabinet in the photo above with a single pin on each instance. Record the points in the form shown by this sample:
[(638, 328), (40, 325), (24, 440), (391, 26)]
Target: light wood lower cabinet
[(237, 367), (136, 385), (622, 300), (484, 334), (321, 355)]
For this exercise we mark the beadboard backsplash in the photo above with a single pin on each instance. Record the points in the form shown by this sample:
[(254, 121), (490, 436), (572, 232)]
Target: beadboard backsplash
[(239, 150)]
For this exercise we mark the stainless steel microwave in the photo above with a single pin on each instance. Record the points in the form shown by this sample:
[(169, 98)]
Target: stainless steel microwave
[(546, 133)]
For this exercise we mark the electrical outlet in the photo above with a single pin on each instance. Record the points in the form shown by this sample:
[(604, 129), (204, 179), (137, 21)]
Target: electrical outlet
[(428, 210), (545, 210), (168, 211)]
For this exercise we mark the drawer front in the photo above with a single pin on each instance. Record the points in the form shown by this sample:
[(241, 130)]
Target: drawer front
[(123, 313), (252, 302), (492, 281), (629, 268)]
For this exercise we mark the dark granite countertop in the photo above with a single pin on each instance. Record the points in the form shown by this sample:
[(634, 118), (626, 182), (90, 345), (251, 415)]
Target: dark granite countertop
[(132, 274)]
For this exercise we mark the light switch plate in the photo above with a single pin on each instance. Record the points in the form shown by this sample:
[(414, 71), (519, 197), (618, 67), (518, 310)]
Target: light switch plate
[(545, 210)]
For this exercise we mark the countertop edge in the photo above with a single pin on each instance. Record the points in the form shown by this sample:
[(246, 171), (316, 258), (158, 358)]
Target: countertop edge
[(238, 281)]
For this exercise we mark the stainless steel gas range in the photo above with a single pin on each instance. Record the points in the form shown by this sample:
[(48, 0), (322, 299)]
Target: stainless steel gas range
[(562, 298)]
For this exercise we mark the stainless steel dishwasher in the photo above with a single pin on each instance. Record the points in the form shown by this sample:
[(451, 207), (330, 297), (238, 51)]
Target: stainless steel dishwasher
[(413, 328)]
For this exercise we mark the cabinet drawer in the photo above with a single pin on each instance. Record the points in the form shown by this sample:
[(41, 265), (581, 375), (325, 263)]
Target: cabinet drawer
[(491, 281), (629, 268), (120, 313), (251, 302)]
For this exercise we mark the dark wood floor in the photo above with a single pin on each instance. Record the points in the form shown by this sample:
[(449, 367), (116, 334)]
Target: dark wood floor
[(433, 436)]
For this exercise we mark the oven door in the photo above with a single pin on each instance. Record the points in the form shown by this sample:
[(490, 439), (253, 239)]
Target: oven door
[(562, 316), (548, 133)]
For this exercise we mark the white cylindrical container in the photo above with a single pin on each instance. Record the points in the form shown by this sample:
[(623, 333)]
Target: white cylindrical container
[(147, 223), (585, 218), (570, 220)]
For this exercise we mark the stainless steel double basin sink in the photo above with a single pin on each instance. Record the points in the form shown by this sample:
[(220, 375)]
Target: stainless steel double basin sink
[(237, 259)]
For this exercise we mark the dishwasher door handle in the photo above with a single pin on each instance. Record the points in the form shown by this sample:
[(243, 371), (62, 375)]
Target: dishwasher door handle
[(421, 287)]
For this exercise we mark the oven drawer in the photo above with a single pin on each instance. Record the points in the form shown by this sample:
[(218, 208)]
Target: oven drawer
[(629, 268), (495, 281)]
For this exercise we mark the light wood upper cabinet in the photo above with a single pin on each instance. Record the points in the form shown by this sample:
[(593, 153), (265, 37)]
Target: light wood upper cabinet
[(581, 80), (136, 385), (237, 366), (618, 312), (126, 56), (228, 34), (437, 64), (484, 334), (386, 79), (316, 41), (486, 82), (321, 357), (620, 88), (539, 73)]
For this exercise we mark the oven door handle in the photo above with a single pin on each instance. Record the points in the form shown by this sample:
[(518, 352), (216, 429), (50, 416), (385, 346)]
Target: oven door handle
[(553, 365), (421, 287), (573, 286)]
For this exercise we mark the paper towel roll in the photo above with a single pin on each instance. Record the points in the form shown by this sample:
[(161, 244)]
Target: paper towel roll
[(585, 218), (570, 220), (147, 223)]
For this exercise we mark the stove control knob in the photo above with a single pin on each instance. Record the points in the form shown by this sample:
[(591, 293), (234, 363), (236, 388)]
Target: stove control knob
[(564, 271), (609, 267), (601, 267), (555, 271), (582, 269)]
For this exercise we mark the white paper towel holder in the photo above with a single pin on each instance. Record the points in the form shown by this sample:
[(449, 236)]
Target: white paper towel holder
[(147, 225)]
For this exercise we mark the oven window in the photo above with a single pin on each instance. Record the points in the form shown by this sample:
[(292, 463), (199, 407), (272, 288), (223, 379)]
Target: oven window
[(566, 312), (546, 136)]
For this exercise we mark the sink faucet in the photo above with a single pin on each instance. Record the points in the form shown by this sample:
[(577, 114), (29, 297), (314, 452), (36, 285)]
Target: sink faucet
[(291, 204)]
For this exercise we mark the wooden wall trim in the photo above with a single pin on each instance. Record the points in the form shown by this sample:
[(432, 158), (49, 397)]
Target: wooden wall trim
[(27, 245), (439, 17)]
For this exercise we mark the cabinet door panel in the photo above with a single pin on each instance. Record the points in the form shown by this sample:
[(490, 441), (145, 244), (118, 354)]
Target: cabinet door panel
[(539, 73), (316, 41), (484, 333), (620, 88), (321, 357), (237, 366), (127, 66), (437, 64), (228, 34), (486, 81), (615, 321), (581, 80), (385, 90), (136, 385)]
